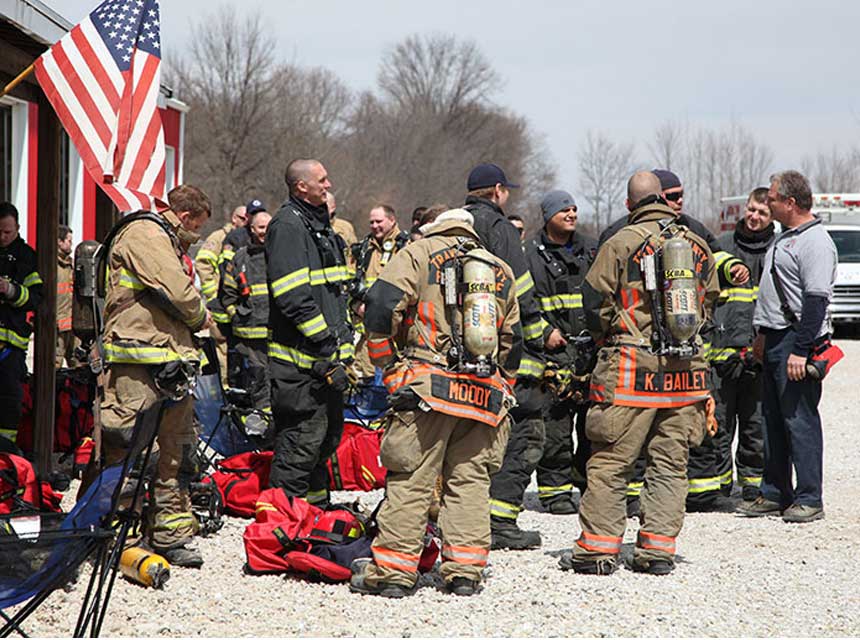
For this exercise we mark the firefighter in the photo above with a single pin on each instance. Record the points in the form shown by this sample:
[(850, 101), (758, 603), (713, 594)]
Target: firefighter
[(341, 227), (737, 373), (208, 269), (645, 298), (151, 313), (20, 293), (558, 260), (446, 329), (65, 282), (703, 478), (369, 258), (246, 300), (311, 340), (488, 191)]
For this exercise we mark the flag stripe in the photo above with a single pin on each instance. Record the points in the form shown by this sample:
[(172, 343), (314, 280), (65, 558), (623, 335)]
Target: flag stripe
[(100, 75), (84, 97), (112, 73), (55, 84)]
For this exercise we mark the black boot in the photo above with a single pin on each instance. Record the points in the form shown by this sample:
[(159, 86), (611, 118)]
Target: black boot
[(505, 534)]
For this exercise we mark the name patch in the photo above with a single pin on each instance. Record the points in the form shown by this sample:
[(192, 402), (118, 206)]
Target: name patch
[(671, 381), (467, 393)]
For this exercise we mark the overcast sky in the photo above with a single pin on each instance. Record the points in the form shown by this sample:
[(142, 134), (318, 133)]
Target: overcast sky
[(786, 70)]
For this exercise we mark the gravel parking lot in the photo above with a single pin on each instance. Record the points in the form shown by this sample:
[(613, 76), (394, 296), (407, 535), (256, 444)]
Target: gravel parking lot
[(735, 577)]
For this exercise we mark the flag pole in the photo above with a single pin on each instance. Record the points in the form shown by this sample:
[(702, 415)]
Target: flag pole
[(9, 87)]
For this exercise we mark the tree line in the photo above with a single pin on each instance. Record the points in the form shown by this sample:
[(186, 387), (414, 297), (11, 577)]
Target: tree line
[(411, 139)]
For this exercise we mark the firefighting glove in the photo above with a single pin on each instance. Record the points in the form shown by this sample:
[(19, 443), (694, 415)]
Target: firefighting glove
[(732, 367), (332, 373)]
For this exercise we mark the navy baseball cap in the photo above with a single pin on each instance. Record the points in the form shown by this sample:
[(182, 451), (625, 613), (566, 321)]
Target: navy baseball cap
[(668, 179), (488, 175), (255, 206)]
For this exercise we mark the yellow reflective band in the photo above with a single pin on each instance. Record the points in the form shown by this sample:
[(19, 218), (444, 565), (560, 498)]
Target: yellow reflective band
[(174, 521), (251, 333), (502, 509), (738, 294), (547, 492), (726, 478), (531, 368), (229, 280), (368, 282), (635, 488), (208, 256), (329, 275), (291, 281), (293, 356), (524, 284), (750, 481), (16, 340), (260, 289), (346, 351), (720, 355), (209, 289), (703, 485), (533, 331), (721, 257), (318, 496), (226, 254), (221, 318), (23, 297), (130, 281), (31, 279), (9, 434), (311, 327), (561, 301), (139, 355), (198, 319)]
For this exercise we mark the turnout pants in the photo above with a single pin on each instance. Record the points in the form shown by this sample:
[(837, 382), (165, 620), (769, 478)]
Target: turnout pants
[(308, 418), (739, 410), (618, 434), (559, 467), (792, 436), (13, 371), (216, 331), (522, 455), (130, 390), (254, 376), (417, 447), (66, 343)]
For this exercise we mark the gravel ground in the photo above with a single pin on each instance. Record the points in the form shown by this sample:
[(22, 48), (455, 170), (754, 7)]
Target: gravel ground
[(735, 577)]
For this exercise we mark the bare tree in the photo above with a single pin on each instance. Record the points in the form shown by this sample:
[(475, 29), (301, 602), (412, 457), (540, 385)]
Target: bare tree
[(604, 168), (712, 163), (835, 171), (668, 146)]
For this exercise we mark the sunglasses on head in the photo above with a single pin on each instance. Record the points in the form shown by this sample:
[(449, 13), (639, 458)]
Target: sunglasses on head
[(674, 197)]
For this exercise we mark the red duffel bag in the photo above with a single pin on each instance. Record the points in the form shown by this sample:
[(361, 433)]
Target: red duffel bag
[(240, 480), (355, 465), (21, 490)]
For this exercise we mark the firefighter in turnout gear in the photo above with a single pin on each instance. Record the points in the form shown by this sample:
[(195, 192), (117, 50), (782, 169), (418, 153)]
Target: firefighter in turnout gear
[(645, 299), (444, 319), (151, 313), (311, 340), (208, 267), (558, 260), (246, 300), (341, 227), (737, 374), (65, 283), (20, 293), (488, 192), (235, 240), (369, 257)]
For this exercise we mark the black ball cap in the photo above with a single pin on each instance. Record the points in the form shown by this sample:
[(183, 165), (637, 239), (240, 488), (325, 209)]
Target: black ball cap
[(488, 175)]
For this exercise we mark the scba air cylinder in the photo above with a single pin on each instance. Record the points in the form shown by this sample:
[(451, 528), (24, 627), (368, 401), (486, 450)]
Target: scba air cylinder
[(480, 334), (680, 290)]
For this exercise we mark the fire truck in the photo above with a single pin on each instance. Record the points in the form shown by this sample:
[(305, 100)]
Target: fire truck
[(840, 213)]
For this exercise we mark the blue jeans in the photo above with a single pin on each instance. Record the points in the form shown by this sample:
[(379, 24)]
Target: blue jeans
[(792, 434)]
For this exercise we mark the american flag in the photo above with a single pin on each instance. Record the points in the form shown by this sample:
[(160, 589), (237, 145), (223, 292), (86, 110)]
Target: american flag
[(103, 79)]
